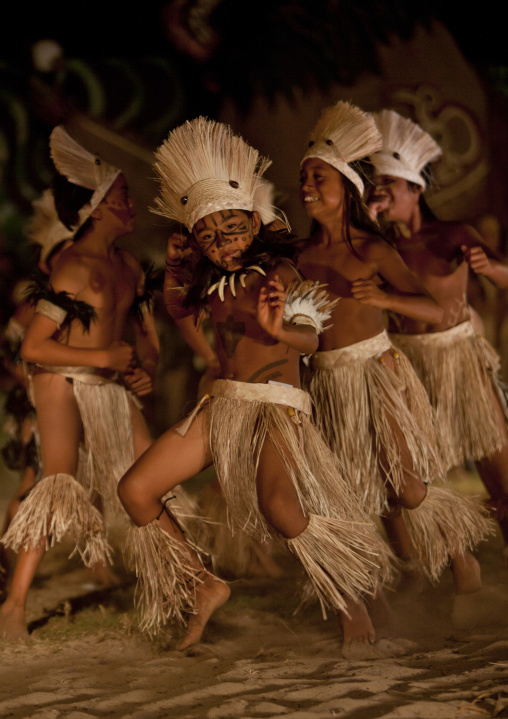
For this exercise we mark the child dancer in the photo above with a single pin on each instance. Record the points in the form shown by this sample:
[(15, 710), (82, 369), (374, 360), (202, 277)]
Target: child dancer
[(369, 403), (78, 362), (457, 366), (277, 476)]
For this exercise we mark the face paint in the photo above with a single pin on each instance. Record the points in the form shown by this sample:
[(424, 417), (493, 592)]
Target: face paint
[(224, 236)]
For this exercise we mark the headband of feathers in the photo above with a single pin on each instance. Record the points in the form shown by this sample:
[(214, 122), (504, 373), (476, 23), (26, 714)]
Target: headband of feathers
[(203, 167), (81, 168), (343, 134), (406, 150)]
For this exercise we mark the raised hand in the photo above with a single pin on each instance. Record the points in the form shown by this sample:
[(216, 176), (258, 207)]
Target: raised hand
[(270, 309), (177, 249), (476, 259)]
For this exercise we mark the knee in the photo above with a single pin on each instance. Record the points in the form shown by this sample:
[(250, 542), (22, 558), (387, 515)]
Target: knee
[(131, 494), (283, 513), (413, 495)]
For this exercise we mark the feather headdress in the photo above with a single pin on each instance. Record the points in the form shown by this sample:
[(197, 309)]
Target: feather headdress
[(44, 227), (406, 148), (203, 167), (81, 168), (344, 133)]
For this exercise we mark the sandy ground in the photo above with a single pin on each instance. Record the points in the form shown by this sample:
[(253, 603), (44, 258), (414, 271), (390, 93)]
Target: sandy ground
[(258, 658)]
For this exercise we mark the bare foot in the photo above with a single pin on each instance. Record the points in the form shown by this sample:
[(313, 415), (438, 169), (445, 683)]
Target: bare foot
[(466, 573), (210, 595), (357, 629), (13, 624)]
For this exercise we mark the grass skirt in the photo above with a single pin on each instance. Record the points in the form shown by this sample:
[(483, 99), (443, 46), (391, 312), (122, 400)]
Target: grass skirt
[(363, 409), (459, 370)]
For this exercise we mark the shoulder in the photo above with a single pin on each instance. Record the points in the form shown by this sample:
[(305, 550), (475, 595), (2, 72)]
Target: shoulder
[(454, 233), (286, 271), (371, 247), (71, 272)]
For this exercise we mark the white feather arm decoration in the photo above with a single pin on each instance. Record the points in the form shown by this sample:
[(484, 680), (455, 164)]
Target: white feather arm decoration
[(307, 303)]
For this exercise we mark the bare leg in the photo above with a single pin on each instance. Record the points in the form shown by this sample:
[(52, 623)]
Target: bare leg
[(466, 573), (59, 432), (12, 612), (7, 556), (281, 507), (171, 460), (494, 474)]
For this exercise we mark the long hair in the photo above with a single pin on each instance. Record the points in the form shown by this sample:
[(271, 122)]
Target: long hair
[(69, 199), (354, 214)]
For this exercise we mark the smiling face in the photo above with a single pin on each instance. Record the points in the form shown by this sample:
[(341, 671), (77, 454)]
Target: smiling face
[(224, 236), (321, 189), (399, 201)]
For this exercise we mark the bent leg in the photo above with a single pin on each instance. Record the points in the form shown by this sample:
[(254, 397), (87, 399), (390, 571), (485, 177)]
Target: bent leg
[(169, 461)]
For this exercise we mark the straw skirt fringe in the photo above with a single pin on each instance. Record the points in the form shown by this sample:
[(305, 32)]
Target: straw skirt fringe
[(58, 506), (444, 525), (459, 370), (106, 416), (239, 428), (360, 410), (166, 586)]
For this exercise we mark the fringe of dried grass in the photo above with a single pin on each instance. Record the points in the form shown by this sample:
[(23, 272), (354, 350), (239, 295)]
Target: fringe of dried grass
[(444, 525), (459, 377), (106, 416), (58, 506), (339, 560), (355, 408), (166, 587)]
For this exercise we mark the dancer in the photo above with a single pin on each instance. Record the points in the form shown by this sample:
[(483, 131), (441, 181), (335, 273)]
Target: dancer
[(457, 366), (78, 361), (370, 406), (50, 236), (277, 476)]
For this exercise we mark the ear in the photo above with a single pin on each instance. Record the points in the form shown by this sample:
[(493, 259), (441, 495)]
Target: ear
[(256, 222)]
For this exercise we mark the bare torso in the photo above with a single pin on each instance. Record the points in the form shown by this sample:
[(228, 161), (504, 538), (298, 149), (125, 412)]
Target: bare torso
[(337, 267), (434, 255), (108, 283), (246, 352)]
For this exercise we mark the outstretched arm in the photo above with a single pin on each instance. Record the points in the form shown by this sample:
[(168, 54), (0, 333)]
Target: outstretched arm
[(404, 295)]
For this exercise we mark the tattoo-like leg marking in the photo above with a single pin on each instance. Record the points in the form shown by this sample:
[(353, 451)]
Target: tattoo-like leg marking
[(231, 333)]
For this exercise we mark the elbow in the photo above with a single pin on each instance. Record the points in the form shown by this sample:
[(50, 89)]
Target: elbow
[(27, 352)]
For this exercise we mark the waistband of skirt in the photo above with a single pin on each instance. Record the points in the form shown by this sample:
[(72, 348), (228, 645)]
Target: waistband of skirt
[(366, 349), (86, 375), (443, 338), (258, 392)]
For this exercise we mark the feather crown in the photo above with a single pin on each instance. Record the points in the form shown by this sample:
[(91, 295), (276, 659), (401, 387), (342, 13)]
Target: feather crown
[(44, 227), (406, 150), (81, 168), (203, 167), (344, 133)]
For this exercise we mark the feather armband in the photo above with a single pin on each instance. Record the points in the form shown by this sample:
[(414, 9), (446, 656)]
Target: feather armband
[(154, 280), (59, 306), (307, 303)]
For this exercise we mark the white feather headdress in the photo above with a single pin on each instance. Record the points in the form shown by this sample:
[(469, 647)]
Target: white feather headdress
[(344, 133), (81, 168), (203, 167), (44, 227), (406, 148)]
